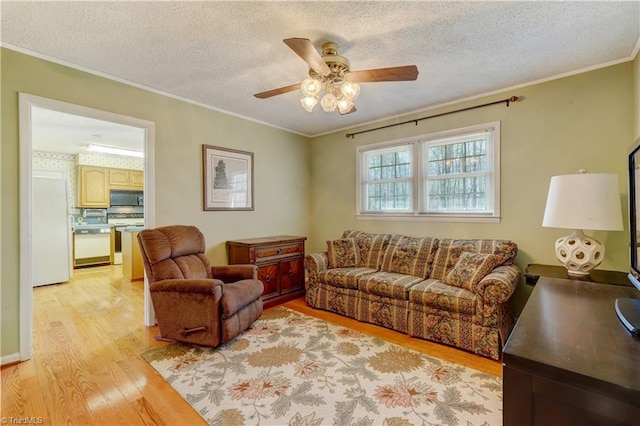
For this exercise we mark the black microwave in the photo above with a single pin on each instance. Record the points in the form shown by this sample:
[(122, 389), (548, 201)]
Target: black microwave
[(126, 198)]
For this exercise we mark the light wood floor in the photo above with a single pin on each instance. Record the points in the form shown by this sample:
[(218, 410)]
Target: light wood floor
[(87, 338)]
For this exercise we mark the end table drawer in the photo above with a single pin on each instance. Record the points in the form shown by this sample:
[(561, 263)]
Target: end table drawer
[(265, 253)]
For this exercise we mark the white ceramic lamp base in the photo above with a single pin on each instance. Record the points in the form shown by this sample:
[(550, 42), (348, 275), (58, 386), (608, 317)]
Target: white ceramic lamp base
[(579, 253)]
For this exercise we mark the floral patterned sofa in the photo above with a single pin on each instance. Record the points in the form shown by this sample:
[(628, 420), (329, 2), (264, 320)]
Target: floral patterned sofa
[(452, 291)]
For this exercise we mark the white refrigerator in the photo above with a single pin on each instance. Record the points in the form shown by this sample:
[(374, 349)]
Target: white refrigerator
[(50, 231)]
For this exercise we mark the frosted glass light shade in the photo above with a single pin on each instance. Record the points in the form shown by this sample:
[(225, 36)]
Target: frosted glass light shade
[(350, 90), (329, 102), (311, 87), (582, 201), (345, 105), (309, 102)]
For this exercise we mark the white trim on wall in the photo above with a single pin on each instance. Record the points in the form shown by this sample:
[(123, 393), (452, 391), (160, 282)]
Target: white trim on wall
[(10, 359), (26, 103)]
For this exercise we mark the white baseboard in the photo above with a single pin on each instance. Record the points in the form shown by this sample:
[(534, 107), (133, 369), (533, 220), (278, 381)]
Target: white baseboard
[(10, 359)]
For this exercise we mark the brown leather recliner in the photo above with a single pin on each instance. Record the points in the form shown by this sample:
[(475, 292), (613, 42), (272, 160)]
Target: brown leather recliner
[(194, 302)]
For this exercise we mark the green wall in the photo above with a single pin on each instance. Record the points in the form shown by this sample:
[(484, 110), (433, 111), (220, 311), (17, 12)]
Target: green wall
[(280, 160), (557, 127), (636, 96)]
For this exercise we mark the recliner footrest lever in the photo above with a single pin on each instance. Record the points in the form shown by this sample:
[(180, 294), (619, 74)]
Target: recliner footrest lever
[(185, 332)]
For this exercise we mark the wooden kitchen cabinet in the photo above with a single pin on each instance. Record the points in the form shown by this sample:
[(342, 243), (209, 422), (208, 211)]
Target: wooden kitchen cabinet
[(136, 179), (93, 186), (132, 265), (126, 179), (280, 262)]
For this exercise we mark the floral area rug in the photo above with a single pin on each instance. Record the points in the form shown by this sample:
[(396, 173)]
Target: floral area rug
[(293, 369)]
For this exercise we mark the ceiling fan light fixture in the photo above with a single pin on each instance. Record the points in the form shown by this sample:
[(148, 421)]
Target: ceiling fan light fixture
[(309, 102), (329, 102), (311, 87), (345, 105), (330, 77), (350, 90)]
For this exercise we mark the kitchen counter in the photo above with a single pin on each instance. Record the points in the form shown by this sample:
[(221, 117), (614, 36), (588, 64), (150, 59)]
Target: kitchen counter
[(132, 266)]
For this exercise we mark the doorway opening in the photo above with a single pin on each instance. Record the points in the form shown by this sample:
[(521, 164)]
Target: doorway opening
[(32, 109)]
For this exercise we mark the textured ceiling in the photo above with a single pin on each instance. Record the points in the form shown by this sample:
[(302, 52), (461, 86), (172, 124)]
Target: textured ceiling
[(219, 54)]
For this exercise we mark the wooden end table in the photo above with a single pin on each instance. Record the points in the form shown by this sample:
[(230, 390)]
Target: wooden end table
[(280, 262), (534, 271)]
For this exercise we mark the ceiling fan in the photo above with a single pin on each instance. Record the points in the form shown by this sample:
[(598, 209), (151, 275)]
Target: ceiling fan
[(331, 73)]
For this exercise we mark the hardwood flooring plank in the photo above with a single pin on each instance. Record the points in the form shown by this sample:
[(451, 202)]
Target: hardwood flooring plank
[(72, 376), (34, 403), (165, 400), (12, 391)]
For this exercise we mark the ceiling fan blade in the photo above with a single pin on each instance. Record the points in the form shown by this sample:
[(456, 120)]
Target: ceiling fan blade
[(304, 48), (404, 73), (278, 91)]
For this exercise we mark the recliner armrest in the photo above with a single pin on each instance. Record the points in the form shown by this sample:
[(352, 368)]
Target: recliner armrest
[(202, 286), (233, 273), (498, 285)]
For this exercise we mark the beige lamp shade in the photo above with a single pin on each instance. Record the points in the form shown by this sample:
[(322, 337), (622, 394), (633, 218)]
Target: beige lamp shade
[(582, 201)]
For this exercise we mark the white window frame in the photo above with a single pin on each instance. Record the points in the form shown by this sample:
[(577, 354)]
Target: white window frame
[(419, 145), (411, 179)]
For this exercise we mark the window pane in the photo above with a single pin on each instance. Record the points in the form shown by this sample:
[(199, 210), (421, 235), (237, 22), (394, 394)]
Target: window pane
[(456, 158), (388, 172), (388, 184), (389, 196), (457, 194), (374, 173)]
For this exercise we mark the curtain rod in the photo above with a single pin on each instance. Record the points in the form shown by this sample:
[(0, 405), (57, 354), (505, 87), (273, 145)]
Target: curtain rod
[(507, 101)]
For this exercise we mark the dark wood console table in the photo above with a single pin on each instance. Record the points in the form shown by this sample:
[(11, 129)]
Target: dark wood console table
[(280, 262), (569, 361)]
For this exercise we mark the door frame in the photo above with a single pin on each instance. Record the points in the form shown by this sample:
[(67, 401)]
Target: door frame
[(26, 103)]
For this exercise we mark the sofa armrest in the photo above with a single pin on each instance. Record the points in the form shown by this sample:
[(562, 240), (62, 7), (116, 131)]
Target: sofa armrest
[(198, 286), (233, 273), (315, 263), (498, 286)]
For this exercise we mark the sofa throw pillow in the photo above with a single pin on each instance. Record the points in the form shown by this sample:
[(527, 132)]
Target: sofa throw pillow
[(410, 256), (343, 253), (471, 268), (371, 246)]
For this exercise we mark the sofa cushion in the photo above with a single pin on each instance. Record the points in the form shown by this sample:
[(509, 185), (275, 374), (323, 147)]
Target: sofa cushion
[(343, 277), (388, 284), (371, 246), (449, 251), (343, 253), (436, 294), (409, 256), (471, 268)]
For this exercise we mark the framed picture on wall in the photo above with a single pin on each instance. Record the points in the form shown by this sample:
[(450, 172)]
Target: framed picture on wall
[(228, 178)]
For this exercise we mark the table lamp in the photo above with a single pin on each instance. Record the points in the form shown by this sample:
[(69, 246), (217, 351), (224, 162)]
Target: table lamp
[(582, 201)]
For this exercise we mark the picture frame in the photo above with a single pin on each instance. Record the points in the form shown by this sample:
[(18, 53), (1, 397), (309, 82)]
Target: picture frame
[(228, 179)]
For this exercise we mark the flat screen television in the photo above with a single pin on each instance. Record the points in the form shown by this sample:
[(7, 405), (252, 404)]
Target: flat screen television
[(628, 310)]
